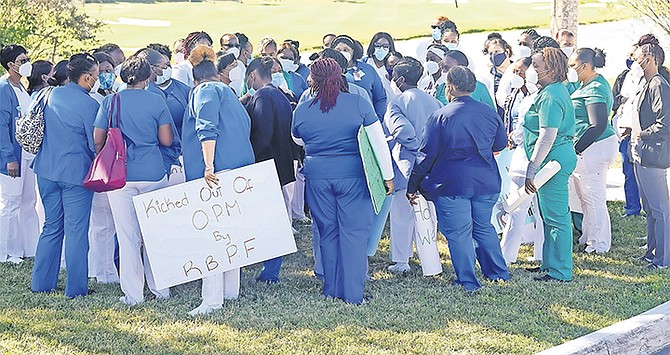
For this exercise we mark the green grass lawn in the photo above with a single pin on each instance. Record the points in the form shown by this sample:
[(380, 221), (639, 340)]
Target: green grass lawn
[(408, 314), (309, 20)]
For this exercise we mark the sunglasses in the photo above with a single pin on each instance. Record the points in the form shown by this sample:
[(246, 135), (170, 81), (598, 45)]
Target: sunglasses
[(434, 26), (22, 61)]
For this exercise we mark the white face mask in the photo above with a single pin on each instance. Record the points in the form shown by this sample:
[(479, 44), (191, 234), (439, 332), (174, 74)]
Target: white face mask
[(432, 67), (26, 69), (236, 74), (573, 76), (178, 57), (346, 55), (524, 51), (167, 74), (279, 81), (568, 51), (235, 51), (531, 76), (451, 46), (288, 65), (394, 87), (436, 33), (95, 87), (117, 71), (532, 88), (517, 81), (636, 70)]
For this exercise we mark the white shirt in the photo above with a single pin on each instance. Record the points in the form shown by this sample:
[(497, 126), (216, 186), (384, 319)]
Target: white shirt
[(381, 71), (184, 73)]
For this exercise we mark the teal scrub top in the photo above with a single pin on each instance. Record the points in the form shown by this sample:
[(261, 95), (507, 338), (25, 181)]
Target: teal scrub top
[(552, 108), (480, 94), (142, 112), (596, 91)]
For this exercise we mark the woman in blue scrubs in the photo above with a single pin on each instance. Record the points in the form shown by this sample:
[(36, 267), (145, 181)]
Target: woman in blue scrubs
[(60, 166), (146, 124), (215, 137), (335, 187), (361, 73), (456, 170)]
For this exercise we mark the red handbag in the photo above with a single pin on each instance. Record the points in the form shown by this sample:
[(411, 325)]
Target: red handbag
[(108, 169)]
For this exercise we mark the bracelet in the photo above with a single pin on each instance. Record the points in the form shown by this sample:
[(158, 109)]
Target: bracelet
[(211, 167)]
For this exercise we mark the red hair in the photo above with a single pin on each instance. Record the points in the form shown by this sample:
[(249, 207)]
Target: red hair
[(327, 82)]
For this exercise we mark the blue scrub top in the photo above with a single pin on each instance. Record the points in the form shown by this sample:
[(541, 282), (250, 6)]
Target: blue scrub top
[(331, 138), (304, 71), (215, 113), (298, 84), (176, 97), (10, 150), (142, 112), (456, 153), (370, 81), (67, 150)]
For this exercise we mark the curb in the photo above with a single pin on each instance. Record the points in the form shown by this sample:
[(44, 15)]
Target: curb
[(646, 333)]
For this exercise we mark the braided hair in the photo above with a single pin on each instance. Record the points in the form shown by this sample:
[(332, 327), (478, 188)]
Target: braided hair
[(327, 82), (556, 62), (194, 39)]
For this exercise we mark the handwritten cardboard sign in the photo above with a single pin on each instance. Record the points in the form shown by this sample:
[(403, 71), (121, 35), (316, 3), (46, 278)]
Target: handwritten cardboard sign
[(191, 231)]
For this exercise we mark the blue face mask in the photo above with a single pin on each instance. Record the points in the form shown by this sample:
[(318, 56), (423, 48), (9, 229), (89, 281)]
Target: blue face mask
[(498, 58), (251, 91), (106, 80), (381, 53), (436, 33)]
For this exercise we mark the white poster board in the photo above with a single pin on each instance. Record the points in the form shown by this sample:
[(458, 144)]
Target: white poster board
[(191, 231)]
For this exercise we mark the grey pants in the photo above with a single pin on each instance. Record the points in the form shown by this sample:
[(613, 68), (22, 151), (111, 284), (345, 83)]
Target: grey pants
[(653, 185)]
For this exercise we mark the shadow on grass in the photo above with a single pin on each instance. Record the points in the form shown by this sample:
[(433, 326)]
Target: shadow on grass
[(408, 313)]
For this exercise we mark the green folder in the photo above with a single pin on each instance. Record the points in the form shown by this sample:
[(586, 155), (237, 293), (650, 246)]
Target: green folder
[(373, 173)]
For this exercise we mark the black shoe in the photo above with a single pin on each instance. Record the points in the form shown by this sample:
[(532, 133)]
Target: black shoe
[(547, 278), (534, 269)]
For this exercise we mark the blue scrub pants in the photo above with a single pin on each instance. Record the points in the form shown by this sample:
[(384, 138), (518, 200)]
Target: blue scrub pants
[(343, 214), (633, 206), (466, 223), (68, 210), (270, 272)]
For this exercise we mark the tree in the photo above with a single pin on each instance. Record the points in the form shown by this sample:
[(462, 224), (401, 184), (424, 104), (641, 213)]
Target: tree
[(47, 28), (564, 15), (656, 10)]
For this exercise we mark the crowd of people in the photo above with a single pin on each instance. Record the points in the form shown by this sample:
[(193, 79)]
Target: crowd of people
[(435, 124)]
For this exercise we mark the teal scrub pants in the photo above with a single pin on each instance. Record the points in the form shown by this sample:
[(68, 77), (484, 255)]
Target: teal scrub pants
[(557, 250)]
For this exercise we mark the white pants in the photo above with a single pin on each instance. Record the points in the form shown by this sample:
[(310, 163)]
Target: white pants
[(133, 261), (177, 173), (19, 225), (101, 241), (219, 287), (590, 178), (514, 232), (402, 228), (294, 193)]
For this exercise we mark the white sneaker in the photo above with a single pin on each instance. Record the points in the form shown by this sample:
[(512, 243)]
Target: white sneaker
[(399, 268), (203, 309), (128, 302), (14, 260)]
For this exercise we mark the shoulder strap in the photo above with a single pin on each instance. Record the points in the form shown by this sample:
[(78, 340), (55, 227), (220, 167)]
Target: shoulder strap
[(115, 105)]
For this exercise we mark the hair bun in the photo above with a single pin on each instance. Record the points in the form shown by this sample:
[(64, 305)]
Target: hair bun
[(599, 58), (200, 54)]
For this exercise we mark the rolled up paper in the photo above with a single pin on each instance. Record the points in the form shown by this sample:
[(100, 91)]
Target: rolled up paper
[(520, 196), (425, 237)]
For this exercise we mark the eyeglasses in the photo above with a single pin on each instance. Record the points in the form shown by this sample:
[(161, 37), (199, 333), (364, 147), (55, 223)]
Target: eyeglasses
[(385, 46)]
